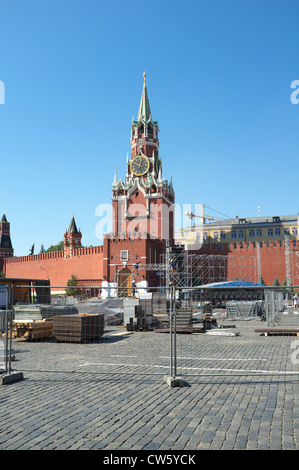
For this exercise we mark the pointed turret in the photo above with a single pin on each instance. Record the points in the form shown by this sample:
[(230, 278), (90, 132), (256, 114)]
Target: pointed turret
[(115, 182), (72, 239), (6, 249), (73, 226), (144, 113), (144, 131)]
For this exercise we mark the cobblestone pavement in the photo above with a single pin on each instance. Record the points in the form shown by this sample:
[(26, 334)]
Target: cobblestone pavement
[(112, 395)]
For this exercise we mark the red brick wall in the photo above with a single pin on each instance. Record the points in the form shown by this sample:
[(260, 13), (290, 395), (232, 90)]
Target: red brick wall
[(98, 262), (273, 261), (87, 263), (242, 261), (112, 248)]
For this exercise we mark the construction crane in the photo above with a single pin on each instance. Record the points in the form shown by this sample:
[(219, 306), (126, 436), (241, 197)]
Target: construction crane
[(191, 215)]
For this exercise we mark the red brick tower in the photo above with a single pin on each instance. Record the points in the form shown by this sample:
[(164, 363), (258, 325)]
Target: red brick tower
[(6, 249), (143, 206), (72, 239)]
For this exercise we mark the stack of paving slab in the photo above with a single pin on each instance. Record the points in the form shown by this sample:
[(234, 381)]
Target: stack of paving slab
[(78, 328), (27, 313), (35, 322)]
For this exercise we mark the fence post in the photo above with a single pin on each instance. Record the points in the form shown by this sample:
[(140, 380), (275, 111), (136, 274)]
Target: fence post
[(6, 330), (172, 332), (8, 376), (172, 380)]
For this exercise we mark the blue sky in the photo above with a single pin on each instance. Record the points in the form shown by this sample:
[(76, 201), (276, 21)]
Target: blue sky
[(219, 77)]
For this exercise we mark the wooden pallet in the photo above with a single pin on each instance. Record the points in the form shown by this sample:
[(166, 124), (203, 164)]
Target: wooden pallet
[(35, 330), (278, 330), (181, 330)]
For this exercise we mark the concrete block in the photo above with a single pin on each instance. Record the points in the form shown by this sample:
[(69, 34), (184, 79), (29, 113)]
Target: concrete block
[(12, 377), (174, 381)]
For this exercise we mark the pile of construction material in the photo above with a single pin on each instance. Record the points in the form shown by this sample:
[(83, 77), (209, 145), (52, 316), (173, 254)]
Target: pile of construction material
[(182, 323), (60, 322), (35, 322), (245, 310), (29, 313), (79, 328), (144, 313), (32, 330)]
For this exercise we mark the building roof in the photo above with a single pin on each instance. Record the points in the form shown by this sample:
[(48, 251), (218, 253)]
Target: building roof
[(236, 283), (73, 226), (5, 241), (4, 219), (238, 222), (279, 219)]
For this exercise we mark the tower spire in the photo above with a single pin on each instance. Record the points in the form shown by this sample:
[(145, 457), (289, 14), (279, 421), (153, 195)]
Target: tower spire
[(144, 113), (6, 249), (73, 226)]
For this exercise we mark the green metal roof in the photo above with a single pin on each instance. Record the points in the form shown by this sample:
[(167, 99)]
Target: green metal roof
[(144, 113)]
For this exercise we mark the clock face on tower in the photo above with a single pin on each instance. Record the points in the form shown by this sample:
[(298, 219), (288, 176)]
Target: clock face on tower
[(139, 165)]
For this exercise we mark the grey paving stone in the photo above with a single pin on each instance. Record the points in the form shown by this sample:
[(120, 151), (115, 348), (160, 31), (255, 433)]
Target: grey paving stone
[(100, 410)]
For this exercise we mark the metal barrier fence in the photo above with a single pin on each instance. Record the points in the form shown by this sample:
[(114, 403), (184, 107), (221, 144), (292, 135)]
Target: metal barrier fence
[(174, 332), (275, 302), (232, 333), (6, 315)]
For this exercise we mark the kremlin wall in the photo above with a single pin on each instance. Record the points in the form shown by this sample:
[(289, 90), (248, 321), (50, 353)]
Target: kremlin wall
[(94, 266), (85, 263)]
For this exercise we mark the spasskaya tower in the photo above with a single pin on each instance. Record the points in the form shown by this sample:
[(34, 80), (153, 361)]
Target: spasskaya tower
[(143, 208)]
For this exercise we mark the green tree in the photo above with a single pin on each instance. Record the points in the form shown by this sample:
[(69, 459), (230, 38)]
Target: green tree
[(276, 282), (261, 281), (286, 283), (58, 247), (73, 290)]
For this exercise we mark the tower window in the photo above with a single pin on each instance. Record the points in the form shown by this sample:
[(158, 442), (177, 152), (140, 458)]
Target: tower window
[(124, 255)]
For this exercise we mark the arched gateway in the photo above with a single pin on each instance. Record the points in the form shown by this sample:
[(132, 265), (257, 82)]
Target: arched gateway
[(124, 283)]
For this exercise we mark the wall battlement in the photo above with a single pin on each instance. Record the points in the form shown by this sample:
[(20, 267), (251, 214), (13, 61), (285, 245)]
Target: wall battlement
[(266, 246), (54, 255), (58, 266)]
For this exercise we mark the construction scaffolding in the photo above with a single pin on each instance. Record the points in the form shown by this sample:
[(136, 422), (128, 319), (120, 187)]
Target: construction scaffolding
[(191, 270), (183, 268), (293, 268)]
